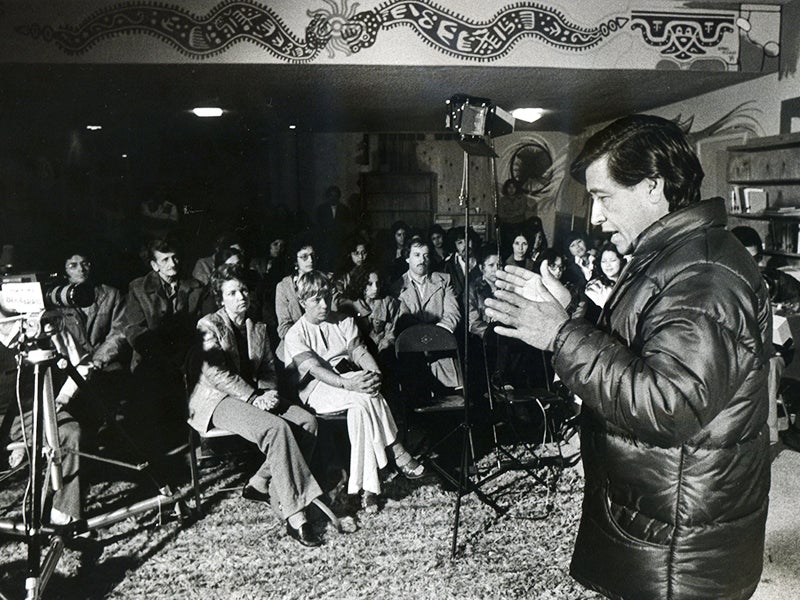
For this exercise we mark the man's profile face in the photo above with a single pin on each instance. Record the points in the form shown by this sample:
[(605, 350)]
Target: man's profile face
[(165, 264), (625, 212), (418, 260), (77, 268)]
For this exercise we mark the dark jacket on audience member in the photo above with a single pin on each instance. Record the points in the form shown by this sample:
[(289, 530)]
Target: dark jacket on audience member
[(98, 329), (152, 327), (674, 436)]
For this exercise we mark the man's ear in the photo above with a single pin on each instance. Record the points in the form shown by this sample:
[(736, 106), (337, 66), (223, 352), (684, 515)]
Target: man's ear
[(154, 265), (655, 189)]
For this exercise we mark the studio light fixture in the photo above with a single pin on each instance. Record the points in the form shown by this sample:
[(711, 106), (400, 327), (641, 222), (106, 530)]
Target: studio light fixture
[(529, 115), (205, 112), (94, 127), (477, 120), (292, 126)]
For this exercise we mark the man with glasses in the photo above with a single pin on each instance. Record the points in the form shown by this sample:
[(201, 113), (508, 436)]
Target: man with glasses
[(673, 378)]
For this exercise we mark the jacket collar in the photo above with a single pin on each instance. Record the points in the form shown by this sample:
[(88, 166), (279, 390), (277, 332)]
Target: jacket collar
[(702, 215)]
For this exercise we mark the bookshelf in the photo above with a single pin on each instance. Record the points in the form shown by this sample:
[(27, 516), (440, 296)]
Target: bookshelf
[(764, 191)]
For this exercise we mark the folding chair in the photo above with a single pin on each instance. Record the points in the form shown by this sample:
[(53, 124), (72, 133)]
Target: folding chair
[(416, 348), (531, 416), (197, 455)]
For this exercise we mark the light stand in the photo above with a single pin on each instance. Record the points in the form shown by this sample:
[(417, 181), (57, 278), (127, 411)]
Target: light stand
[(477, 120)]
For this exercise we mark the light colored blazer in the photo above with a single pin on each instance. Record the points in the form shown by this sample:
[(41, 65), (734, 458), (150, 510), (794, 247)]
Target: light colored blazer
[(221, 365), (438, 306)]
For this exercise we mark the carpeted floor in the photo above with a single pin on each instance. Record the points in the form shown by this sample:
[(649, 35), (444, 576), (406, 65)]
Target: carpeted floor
[(239, 550)]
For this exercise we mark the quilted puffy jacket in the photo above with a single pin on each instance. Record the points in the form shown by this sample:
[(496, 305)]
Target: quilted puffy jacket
[(674, 437)]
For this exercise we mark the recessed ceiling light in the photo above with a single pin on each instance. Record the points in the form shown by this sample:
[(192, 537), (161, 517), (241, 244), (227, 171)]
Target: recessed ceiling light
[(207, 111), (124, 156), (292, 126), (529, 115), (94, 127)]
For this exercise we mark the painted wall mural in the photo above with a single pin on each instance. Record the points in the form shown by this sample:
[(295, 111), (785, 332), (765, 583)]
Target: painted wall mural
[(678, 38)]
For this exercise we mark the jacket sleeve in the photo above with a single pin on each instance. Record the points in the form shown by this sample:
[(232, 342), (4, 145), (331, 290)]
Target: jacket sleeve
[(694, 345), (109, 349), (450, 312), (136, 331), (216, 367), (477, 325), (282, 310)]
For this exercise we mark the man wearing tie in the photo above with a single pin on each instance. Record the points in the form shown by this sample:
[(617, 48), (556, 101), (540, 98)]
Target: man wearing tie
[(161, 314)]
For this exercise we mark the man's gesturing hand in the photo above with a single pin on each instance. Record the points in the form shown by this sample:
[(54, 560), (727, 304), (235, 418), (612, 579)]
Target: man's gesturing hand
[(521, 281), (534, 317)]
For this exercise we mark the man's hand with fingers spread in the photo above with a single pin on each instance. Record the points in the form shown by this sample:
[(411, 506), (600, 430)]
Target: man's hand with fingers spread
[(521, 281), (528, 307)]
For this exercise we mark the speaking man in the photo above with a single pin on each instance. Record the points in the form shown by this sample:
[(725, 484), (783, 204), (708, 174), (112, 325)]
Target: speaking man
[(673, 377)]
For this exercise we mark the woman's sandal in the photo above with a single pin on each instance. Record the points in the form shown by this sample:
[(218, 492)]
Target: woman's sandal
[(369, 502), (411, 469)]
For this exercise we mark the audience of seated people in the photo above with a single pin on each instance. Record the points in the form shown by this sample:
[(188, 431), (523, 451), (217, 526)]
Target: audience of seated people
[(244, 310)]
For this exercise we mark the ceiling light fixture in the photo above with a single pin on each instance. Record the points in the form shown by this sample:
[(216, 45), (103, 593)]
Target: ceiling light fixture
[(292, 126), (94, 127), (529, 115), (207, 111)]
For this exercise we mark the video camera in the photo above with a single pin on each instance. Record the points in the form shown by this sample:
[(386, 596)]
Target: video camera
[(27, 293), (28, 297)]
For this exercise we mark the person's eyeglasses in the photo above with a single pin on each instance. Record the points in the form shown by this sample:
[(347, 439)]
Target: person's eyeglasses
[(74, 265), (306, 256)]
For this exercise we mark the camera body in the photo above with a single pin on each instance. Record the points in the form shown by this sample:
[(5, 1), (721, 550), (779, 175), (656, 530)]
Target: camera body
[(26, 293)]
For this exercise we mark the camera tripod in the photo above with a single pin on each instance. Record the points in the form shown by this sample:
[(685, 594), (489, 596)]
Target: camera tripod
[(42, 447)]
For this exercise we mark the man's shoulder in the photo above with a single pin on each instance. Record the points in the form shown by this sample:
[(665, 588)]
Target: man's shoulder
[(190, 283), (442, 278)]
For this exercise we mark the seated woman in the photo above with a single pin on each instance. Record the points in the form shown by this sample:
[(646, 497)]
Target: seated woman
[(520, 252), (287, 307), (355, 256), (337, 372), (373, 311), (599, 287), (236, 391)]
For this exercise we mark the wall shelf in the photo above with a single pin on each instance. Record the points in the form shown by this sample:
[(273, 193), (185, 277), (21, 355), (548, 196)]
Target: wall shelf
[(771, 165)]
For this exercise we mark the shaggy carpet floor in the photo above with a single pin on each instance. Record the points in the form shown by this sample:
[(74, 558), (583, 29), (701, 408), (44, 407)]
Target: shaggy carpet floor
[(239, 549)]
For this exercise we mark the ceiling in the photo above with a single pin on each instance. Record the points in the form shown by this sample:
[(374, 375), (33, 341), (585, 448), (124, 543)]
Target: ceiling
[(328, 98)]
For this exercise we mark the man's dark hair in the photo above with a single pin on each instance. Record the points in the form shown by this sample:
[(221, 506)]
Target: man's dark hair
[(486, 251), (164, 246), (417, 240), (645, 146)]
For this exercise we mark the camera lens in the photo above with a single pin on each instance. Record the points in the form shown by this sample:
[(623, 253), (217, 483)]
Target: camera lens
[(69, 295)]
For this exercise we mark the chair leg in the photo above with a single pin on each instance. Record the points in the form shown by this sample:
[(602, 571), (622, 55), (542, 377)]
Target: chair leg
[(328, 513), (195, 472)]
